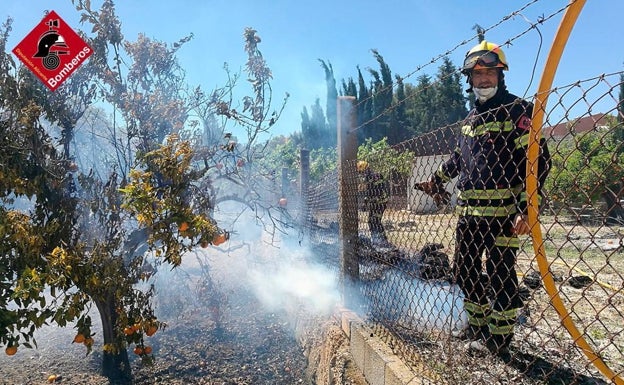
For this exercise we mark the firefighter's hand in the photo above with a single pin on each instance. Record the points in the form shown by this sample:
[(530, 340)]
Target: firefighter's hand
[(435, 190), (521, 225)]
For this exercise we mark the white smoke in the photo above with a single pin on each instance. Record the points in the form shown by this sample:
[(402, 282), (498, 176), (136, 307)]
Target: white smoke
[(282, 272), (297, 283)]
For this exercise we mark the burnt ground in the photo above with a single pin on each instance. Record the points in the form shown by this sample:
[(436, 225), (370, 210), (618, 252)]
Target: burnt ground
[(251, 347), (220, 331)]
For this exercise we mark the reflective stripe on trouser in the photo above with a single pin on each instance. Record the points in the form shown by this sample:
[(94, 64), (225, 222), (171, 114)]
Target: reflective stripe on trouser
[(501, 326), (477, 314), (492, 236), (502, 322)]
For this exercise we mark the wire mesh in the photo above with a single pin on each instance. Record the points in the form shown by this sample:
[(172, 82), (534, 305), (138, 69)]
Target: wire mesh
[(408, 284), (570, 332)]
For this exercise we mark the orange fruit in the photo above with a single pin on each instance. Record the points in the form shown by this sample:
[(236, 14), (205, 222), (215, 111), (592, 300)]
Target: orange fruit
[(128, 330), (10, 350), (136, 327), (52, 378), (88, 341), (219, 239), (184, 226), (80, 338), (151, 330), (147, 350), (138, 350), (204, 244)]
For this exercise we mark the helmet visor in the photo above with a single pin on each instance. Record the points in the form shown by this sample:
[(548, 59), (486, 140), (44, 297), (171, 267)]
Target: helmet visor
[(483, 58)]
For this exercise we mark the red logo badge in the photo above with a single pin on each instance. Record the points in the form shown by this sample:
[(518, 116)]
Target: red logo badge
[(524, 123), (52, 51)]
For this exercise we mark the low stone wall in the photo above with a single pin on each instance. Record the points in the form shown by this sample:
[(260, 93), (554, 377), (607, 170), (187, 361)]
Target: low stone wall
[(342, 350)]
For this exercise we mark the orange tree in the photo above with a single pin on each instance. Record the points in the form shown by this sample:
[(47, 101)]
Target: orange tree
[(36, 212), (70, 240), (73, 237), (391, 162)]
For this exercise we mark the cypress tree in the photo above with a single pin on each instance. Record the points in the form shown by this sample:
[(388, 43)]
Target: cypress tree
[(383, 99), (332, 96), (364, 106), (448, 95), (400, 114), (349, 88)]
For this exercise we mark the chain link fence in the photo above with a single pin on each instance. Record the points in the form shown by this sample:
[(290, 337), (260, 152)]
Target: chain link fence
[(570, 325), (408, 285)]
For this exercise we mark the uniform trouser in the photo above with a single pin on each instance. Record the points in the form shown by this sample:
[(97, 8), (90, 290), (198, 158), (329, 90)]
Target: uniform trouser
[(491, 299), (375, 215)]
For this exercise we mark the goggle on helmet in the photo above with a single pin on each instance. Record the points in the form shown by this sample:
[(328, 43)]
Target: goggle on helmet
[(484, 55)]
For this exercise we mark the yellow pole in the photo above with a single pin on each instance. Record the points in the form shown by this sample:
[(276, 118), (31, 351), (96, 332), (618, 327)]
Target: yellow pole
[(550, 68)]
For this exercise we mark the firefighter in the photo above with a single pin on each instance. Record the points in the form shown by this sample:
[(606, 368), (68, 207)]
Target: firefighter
[(375, 194), (490, 163)]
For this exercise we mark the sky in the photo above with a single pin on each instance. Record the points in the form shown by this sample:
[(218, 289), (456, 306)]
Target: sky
[(408, 34)]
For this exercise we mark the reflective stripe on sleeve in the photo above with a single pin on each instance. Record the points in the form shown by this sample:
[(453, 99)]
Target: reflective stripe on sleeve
[(440, 173), (503, 241), (524, 198), (522, 141), (481, 129)]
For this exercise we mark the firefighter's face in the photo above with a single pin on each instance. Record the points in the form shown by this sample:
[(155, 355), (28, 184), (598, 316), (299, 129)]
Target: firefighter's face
[(485, 77)]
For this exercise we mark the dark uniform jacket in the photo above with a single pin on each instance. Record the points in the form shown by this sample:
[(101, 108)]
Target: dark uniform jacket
[(375, 188), (490, 158)]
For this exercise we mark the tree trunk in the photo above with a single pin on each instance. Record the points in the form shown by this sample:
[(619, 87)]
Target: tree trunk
[(615, 212), (115, 366)]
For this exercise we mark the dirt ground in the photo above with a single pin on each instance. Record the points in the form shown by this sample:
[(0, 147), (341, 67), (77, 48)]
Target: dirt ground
[(243, 343), (252, 347)]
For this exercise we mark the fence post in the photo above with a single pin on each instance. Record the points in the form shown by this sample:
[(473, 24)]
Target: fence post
[(304, 178), (347, 195)]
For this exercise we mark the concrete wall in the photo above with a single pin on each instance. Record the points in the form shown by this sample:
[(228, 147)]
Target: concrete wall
[(344, 350)]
